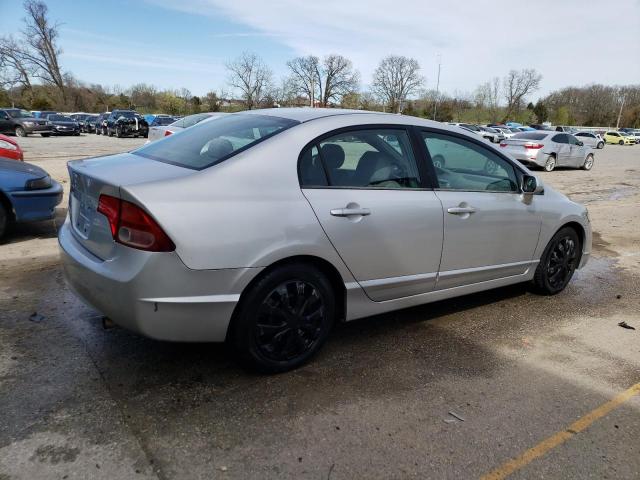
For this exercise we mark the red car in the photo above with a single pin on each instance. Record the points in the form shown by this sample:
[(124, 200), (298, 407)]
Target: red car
[(9, 148)]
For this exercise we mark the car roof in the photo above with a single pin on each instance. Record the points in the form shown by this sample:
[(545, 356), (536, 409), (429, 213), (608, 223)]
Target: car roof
[(306, 114)]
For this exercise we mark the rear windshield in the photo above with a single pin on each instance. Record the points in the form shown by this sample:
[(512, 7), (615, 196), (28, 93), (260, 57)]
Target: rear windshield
[(530, 135), (209, 143)]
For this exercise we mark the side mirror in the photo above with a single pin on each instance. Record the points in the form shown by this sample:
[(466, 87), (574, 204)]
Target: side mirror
[(530, 185), (580, 144)]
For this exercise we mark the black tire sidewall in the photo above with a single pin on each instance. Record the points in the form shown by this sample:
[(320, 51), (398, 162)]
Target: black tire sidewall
[(242, 328), (4, 221), (541, 280)]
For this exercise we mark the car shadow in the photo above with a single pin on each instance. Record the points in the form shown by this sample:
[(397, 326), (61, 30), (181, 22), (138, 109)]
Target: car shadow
[(20, 232)]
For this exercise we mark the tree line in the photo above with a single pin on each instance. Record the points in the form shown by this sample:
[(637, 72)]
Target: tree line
[(32, 77)]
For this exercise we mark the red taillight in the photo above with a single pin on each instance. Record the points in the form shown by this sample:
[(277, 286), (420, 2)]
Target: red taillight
[(132, 226), (533, 146), (167, 133), (503, 144)]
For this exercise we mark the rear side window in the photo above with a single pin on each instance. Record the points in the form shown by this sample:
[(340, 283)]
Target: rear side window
[(372, 158), (209, 143), (562, 138)]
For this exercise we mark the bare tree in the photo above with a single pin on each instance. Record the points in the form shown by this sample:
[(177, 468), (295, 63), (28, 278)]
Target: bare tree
[(517, 85), (249, 74), (42, 53), (15, 70), (305, 77), (395, 79), (338, 79)]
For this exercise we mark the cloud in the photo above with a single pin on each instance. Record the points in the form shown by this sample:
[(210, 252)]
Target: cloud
[(569, 42)]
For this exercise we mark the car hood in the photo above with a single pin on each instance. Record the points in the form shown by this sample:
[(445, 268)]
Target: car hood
[(27, 169)]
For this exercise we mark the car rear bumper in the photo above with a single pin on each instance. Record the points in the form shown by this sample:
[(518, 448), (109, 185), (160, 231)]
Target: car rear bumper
[(154, 294), (535, 161), (33, 205)]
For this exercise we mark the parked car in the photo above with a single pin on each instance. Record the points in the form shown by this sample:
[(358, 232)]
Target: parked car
[(44, 113), (591, 139), (498, 136), (90, 123), (101, 123), (81, 119), (634, 136), (63, 125), (614, 137), (20, 123), (161, 121), (506, 131), (27, 193), (548, 150), (233, 230), (156, 133), (126, 123), (9, 148), (565, 129), (492, 137)]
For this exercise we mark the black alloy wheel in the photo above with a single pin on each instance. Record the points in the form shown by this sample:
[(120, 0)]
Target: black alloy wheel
[(284, 319), (559, 262)]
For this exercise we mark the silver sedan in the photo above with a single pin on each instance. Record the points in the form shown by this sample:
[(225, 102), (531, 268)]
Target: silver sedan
[(549, 150), (263, 228)]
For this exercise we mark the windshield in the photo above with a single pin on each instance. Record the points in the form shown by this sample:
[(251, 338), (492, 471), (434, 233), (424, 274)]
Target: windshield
[(19, 113), (209, 143), (530, 136), (59, 118)]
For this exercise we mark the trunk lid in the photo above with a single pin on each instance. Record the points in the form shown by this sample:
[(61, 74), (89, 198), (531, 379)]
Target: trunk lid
[(107, 175)]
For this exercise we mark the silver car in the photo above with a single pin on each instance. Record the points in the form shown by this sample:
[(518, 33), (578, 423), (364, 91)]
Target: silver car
[(590, 139), (263, 228), (161, 131), (549, 150)]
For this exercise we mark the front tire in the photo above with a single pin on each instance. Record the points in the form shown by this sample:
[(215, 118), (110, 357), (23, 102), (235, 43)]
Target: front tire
[(559, 260), (600, 145), (45, 135), (119, 132), (20, 132), (550, 164), (621, 142), (588, 163), (284, 319)]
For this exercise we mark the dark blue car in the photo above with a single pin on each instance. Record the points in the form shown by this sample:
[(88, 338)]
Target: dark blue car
[(27, 193)]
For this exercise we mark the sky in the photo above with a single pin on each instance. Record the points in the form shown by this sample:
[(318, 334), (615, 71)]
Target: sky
[(185, 43)]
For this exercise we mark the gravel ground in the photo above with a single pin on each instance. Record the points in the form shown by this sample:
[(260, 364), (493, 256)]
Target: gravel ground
[(78, 401)]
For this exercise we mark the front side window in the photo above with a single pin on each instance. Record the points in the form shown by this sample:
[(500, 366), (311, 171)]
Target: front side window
[(572, 140), (375, 158), (209, 143), (464, 165)]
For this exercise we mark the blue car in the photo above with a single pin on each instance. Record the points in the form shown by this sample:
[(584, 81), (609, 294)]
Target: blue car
[(27, 193)]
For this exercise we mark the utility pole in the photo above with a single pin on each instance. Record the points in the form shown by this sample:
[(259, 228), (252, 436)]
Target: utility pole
[(435, 103), (620, 112)]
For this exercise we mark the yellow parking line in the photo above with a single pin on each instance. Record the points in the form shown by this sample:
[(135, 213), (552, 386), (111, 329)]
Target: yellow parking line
[(559, 438)]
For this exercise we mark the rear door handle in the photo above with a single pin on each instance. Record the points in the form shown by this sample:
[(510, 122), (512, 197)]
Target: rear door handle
[(346, 212), (460, 210)]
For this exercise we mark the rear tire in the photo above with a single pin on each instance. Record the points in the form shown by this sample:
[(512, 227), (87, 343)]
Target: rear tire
[(4, 220), (558, 262), (284, 319), (588, 163), (550, 164)]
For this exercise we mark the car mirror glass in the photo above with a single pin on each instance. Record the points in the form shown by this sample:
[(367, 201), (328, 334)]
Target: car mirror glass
[(531, 185)]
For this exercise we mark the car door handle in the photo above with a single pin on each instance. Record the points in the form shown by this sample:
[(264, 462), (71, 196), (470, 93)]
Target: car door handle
[(347, 212), (460, 210)]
